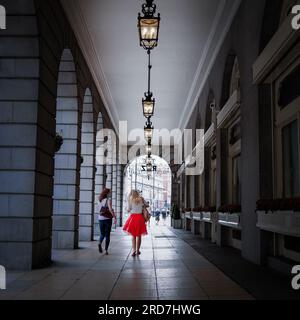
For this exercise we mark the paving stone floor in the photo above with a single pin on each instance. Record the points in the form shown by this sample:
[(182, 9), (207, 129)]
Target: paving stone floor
[(168, 269)]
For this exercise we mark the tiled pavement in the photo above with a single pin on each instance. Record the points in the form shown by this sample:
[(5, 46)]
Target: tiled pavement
[(261, 282), (168, 269)]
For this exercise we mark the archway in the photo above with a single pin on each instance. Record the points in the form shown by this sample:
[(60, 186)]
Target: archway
[(210, 174), (156, 188), (229, 126), (67, 157), (87, 171)]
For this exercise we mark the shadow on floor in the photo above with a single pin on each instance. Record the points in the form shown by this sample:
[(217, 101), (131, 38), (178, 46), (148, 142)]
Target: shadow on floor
[(261, 282)]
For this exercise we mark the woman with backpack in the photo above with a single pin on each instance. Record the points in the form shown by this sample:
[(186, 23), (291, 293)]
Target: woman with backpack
[(105, 217)]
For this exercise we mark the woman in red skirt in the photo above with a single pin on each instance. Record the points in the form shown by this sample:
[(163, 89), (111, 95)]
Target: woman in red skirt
[(135, 225)]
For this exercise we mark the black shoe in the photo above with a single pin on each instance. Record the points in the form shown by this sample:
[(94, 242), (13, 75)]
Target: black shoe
[(100, 248), (106, 253), (133, 254)]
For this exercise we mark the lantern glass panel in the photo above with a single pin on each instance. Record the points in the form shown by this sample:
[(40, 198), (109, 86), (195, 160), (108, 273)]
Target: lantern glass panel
[(149, 32), (148, 107)]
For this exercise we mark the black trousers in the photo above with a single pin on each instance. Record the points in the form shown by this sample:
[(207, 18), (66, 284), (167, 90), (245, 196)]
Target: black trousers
[(105, 229)]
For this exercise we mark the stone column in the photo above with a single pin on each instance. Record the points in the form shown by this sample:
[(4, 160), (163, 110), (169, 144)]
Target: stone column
[(99, 186), (109, 176), (119, 195), (87, 172), (185, 189), (100, 179), (174, 195), (181, 192), (114, 187), (26, 141)]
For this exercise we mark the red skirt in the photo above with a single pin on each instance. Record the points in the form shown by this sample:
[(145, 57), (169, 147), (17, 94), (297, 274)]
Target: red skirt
[(135, 225)]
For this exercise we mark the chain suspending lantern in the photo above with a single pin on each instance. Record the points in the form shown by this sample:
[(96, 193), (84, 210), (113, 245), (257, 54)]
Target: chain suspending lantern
[(148, 26)]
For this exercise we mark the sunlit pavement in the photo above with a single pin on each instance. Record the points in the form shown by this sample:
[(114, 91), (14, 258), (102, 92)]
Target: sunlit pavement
[(167, 269)]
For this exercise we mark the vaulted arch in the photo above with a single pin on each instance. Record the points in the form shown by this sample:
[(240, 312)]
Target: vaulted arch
[(67, 158), (227, 79)]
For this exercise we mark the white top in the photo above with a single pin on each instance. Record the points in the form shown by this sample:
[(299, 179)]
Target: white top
[(100, 206), (135, 208)]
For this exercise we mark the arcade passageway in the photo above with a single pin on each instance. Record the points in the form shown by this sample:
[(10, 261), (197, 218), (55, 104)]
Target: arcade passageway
[(174, 265), (168, 268), (72, 123)]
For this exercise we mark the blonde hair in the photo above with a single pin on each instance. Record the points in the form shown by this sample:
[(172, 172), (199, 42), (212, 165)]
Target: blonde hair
[(134, 197)]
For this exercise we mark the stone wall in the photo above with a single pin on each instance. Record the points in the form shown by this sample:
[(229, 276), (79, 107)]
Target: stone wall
[(30, 55)]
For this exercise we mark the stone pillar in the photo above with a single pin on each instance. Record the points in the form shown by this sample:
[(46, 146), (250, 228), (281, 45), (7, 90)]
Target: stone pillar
[(119, 196), (25, 160), (181, 196), (114, 187), (67, 160), (175, 185), (87, 172), (185, 189), (109, 176), (100, 179), (175, 194), (99, 186)]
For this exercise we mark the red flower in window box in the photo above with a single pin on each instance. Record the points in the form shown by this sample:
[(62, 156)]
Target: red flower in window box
[(278, 205), (232, 208), (209, 209)]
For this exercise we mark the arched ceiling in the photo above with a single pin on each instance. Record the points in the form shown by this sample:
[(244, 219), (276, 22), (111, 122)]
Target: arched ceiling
[(191, 34)]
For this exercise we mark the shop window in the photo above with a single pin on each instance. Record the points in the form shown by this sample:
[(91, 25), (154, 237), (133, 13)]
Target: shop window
[(233, 149), (234, 163), (290, 152), (235, 134), (289, 88), (237, 234), (292, 243), (286, 147), (236, 180), (213, 179)]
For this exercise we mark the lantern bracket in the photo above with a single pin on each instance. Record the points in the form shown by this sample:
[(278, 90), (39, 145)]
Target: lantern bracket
[(149, 9)]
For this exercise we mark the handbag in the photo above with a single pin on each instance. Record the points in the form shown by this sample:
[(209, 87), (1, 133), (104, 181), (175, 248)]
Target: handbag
[(105, 212), (146, 215)]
